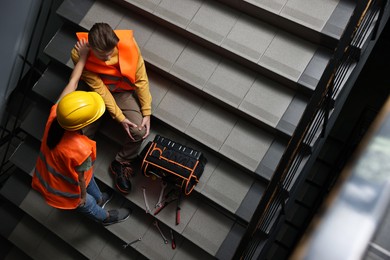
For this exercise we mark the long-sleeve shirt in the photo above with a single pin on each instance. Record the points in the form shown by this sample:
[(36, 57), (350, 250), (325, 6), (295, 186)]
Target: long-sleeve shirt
[(142, 85)]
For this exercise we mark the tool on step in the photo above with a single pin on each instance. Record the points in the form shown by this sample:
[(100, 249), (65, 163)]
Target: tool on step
[(166, 197), (163, 186), (173, 240), (178, 210), (161, 233), (165, 203), (147, 210), (132, 242)]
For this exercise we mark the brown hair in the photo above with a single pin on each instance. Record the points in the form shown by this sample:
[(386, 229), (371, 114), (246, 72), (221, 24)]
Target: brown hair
[(102, 37)]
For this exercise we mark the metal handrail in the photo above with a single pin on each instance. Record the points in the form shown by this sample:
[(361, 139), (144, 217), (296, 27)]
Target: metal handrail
[(349, 57), (295, 151), (362, 197)]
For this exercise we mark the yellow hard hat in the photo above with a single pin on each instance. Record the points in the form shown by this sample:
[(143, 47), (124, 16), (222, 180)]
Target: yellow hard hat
[(79, 109)]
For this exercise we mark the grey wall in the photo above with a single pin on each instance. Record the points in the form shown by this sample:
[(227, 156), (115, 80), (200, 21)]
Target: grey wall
[(17, 19), (14, 17)]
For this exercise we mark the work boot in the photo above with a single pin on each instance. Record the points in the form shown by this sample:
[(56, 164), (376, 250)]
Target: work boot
[(122, 173), (116, 216), (106, 197)]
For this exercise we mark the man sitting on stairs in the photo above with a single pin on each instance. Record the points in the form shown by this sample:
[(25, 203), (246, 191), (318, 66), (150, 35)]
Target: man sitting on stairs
[(115, 69), (64, 169)]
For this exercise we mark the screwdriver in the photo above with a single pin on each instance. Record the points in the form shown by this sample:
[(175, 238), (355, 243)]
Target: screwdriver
[(178, 210), (173, 239)]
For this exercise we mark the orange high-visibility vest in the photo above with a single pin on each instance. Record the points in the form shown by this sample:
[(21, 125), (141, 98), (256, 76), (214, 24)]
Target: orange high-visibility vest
[(116, 78), (55, 176)]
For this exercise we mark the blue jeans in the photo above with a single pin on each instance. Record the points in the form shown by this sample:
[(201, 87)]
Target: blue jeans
[(91, 209)]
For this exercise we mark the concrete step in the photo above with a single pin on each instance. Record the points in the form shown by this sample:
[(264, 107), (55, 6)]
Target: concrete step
[(10, 215), (219, 78), (321, 22), (264, 48), (54, 79), (34, 241), (26, 154), (94, 241), (234, 138), (52, 82), (235, 34), (90, 239), (14, 252)]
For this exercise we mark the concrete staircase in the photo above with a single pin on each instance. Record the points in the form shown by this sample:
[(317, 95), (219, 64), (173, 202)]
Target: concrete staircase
[(231, 79)]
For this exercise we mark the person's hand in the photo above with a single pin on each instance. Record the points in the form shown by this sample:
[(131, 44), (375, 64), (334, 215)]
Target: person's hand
[(82, 202), (126, 125), (82, 48), (145, 123)]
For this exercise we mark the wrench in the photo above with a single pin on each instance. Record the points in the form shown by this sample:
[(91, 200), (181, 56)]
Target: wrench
[(161, 233), (132, 242), (147, 210), (163, 186)]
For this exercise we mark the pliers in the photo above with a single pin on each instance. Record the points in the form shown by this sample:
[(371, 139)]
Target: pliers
[(165, 203)]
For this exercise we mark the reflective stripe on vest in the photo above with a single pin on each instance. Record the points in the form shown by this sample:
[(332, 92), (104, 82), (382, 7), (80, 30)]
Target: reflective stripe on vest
[(55, 191), (55, 173)]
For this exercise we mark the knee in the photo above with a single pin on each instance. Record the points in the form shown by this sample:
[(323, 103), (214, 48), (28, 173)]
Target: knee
[(138, 134)]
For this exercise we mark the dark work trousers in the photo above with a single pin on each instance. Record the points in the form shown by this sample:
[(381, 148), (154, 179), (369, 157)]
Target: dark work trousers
[(129, 104)]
